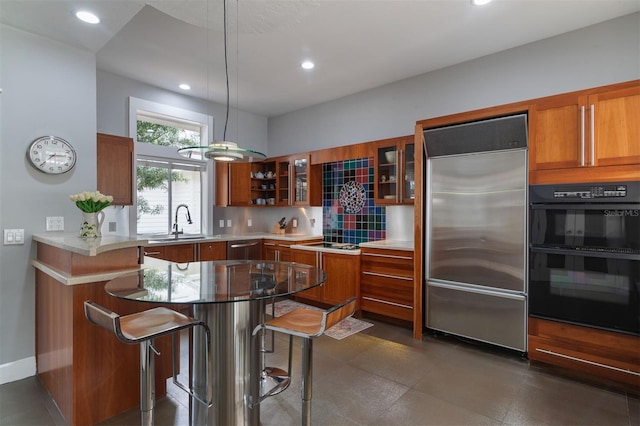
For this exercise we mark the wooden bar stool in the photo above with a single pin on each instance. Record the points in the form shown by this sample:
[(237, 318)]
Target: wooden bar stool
[(143, 328), (307, 324)]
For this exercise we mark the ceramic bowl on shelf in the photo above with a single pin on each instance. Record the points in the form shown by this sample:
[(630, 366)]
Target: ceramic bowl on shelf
[(271, 201), (390, 156)]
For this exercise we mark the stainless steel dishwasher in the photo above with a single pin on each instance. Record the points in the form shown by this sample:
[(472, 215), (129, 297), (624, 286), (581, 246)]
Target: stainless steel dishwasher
[(244, 250)]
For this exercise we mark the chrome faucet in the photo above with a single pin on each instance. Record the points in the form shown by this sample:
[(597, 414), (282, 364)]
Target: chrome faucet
[(175, 223)]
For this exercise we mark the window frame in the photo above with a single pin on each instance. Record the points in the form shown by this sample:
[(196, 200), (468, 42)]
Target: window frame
[(144, 150)]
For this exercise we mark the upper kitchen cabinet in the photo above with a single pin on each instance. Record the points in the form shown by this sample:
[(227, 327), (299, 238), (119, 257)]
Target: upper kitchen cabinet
[(242, 184), (239, 184), (586, 136), (115, 168), (395, 171), (299, 183), (282, 184)]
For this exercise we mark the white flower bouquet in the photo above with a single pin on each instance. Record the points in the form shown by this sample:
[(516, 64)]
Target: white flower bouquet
[(91, 202)]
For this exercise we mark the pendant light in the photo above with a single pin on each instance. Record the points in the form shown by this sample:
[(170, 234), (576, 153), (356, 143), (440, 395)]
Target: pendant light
[(224, 150)]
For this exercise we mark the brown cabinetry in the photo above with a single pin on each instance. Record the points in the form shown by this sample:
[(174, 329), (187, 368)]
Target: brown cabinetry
[(298, 183), (586, 136), (115, 168), (216, 250), (386, 283), (395, 171), (597, 354), (179, 253), (280, 250), (239, 184), (88, 373), (343, 275)]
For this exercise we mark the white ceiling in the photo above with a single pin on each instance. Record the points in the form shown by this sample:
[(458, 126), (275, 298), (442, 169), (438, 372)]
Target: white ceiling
[(356, 44)]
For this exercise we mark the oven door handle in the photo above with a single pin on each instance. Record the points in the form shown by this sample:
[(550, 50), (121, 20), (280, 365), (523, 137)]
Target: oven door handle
[(585, 253), (586, 206)]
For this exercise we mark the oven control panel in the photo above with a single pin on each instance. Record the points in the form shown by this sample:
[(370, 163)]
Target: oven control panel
[(588, 192)]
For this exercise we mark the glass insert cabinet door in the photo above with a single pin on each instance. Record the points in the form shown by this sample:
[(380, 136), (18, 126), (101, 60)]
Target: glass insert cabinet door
[(395, 171), (301, 179)]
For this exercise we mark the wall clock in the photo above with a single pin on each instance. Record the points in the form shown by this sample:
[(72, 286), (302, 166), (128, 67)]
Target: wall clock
[(51, 155)]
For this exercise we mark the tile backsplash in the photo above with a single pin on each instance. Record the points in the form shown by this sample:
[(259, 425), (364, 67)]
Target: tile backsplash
[(349, 214)]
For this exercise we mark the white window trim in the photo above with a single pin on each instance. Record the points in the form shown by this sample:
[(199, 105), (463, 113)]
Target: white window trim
[(142, 106)]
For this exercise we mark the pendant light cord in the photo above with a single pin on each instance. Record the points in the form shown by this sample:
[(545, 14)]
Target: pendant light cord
[(226, 67)]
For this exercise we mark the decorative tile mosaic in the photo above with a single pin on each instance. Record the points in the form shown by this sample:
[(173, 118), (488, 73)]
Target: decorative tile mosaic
[(348, 209)]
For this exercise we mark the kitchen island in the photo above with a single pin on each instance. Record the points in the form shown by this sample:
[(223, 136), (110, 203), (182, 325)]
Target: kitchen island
[(90, 375)]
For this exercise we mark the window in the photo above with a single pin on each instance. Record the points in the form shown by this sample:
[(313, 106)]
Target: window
[(170, 189), (169, 197)]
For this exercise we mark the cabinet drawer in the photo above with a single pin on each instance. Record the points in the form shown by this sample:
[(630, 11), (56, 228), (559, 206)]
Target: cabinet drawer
[(601, 354), (386, 308), (388, 262), (396, 290)]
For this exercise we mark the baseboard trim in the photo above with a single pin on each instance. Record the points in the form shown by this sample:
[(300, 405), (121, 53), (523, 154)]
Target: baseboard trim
[(17, 370)]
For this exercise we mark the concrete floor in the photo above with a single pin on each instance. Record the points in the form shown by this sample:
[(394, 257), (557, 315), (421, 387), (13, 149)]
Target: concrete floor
[(382, 376)]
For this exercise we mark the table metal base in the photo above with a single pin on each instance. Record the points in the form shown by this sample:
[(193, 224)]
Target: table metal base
[(235, 373)]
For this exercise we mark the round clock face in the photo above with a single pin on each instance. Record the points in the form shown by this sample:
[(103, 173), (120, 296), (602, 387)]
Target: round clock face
[(52, 155)]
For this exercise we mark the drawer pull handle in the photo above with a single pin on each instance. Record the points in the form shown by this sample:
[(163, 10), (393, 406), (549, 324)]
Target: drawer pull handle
[(388, 255), (610, 367), (149, 253), (388, 276), (386, 302)]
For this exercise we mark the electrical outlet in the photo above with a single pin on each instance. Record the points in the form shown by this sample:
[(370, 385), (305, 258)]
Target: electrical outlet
[(55, 223), (112, 226), (228, 223), (249, 223), (294, 223), (221, 223)]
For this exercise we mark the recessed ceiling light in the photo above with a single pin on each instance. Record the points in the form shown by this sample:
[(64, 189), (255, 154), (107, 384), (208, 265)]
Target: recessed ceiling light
[(307, 65), (480, 2), (185, 86), (87, 17)]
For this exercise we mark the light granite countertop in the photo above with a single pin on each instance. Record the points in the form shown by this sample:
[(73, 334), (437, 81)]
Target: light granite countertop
[(87, 246), (223, 237), (390, 244)]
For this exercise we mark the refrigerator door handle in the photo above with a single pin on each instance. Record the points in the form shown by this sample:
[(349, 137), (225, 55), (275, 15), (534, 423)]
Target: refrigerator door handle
[(473, 289)]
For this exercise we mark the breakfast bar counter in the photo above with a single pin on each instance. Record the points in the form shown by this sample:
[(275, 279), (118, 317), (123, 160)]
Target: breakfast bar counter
[(90, 375)]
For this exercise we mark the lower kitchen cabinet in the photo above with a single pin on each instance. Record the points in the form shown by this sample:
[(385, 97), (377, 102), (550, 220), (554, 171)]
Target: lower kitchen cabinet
[(386, 283), (179, 253), (343, 276), (605, 356), (280, 250), (216, 250)]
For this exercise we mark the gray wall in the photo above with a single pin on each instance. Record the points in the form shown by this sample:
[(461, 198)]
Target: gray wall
[(48, 88), (601, 54), (248, 130)]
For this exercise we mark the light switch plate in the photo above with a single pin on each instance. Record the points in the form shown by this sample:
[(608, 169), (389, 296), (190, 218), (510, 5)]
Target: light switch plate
[(228, 223), (221, 223), (13, 236)]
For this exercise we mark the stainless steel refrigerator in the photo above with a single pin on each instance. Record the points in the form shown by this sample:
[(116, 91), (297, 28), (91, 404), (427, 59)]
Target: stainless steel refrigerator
[(476, 231)]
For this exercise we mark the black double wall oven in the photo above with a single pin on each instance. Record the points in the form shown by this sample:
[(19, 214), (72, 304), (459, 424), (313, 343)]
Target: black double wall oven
[(584, 265)]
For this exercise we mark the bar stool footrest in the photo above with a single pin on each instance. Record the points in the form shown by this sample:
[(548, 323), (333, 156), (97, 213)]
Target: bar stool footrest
[(273, 381)]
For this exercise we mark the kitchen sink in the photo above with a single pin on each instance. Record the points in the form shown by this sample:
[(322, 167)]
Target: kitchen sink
[(169, 238)]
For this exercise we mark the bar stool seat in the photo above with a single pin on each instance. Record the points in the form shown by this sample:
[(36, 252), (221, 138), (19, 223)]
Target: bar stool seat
[(143, 327), (307, 324)]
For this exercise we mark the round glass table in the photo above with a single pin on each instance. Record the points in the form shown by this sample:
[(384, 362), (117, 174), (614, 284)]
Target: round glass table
[(229, 296)]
